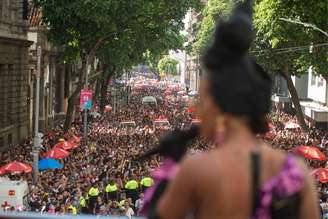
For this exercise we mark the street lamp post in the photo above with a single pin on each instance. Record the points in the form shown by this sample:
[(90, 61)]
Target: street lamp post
[(37, 137), (85, 120)]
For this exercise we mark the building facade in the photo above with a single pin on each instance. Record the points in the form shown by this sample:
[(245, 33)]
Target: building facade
[(193, 69), (180, 57), (312, 90), (316, 107), (57, 79), (14, 46), (192, 66)]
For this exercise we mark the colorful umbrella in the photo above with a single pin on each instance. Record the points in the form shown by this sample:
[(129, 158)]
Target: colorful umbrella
[(67, 145), (321, 174), (57, 153), (49, 163), (312, 153), (191, 110), (16, 167), (291, 125), (77, 139), (2, 171)]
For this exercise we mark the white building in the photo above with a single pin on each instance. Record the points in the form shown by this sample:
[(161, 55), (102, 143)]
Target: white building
[(317, 93), (312, 90), (180, 56)]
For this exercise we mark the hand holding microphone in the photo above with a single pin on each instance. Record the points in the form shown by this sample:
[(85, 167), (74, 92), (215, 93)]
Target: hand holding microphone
[(173, 145)]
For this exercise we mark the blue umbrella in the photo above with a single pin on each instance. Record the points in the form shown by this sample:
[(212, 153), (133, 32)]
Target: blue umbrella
[(49, 163)]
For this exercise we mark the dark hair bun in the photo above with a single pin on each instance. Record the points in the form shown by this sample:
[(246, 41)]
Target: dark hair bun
[(232, 38), (238, 84)]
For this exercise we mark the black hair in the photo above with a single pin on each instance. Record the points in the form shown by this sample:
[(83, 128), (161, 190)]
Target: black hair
[(239, 85)]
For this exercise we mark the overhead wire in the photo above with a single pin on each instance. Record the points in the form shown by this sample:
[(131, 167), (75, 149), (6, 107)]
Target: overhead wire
[(288, 49)]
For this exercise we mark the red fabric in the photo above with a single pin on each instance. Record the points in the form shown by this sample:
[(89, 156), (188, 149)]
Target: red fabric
[(191, 110), (2, 171), (161, 118), (312, 153), (57, 153), (321, 174), (67, 145), (16, 167), (77, 139)]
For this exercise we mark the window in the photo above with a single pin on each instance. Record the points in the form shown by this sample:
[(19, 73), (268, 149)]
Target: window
[(313, 79), (25, 10), (10, 94), (320, 81), (1, 9), (2, 143), (2, 95), (10, 139)]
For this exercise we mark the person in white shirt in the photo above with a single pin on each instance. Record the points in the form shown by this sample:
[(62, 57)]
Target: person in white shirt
[(139, 203), (128, 210)]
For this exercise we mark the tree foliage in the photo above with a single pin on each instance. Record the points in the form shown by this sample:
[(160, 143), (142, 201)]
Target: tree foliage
[(275, 35), (119, 33), (285, 47), (211, 13), (168, 65), (279, 46)]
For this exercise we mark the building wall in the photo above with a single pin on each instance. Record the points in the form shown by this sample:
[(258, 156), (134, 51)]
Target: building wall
[(317, 87), (301, 83), (180, 57), (280, 86), (13, 73), (192, 74)]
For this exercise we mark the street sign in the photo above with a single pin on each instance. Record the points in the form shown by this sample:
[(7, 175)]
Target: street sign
[(86, 99)]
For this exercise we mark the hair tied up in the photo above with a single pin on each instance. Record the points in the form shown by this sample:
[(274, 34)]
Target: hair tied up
[(232, 38)]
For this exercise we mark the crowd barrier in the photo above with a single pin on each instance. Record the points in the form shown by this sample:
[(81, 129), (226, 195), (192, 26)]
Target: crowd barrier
[(4, 215)]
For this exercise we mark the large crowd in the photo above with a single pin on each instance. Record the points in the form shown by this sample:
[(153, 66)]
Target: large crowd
[(103, 176)]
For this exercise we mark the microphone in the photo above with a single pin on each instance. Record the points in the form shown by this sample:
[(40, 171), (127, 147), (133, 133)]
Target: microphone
[(173, 145)]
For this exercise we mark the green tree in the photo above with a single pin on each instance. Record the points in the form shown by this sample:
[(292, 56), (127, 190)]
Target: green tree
[(211, 13), (274, 36), (90, 28), (168, 65)]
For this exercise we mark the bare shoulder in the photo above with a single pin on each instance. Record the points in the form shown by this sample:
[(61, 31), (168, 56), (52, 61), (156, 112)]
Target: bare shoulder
[(198, 165), (279, 156)]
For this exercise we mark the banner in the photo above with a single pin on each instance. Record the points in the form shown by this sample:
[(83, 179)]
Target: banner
[(86, 99)]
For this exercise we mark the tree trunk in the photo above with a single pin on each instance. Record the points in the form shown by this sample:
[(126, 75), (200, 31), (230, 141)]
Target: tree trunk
[(90, 56), (296, 101), (70, 110), (104, 87), (97, 86), (70, 104), (97, 90)]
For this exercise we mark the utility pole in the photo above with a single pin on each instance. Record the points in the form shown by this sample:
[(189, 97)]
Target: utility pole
[(37, 139), (85, 126)]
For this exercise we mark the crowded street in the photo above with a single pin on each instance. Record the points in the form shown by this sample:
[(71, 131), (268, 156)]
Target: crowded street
[(108, 164), (114, 141), (141, 109)]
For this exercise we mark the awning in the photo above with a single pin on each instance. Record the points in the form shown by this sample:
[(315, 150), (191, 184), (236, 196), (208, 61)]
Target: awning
[(315, 111)]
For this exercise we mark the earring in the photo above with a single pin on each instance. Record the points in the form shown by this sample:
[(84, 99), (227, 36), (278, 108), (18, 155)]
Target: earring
[(220, 130)]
